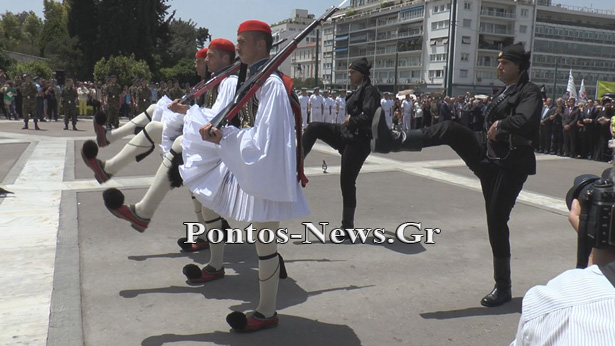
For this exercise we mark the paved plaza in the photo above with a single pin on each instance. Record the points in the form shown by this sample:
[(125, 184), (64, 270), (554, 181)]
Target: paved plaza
[(73, 274)]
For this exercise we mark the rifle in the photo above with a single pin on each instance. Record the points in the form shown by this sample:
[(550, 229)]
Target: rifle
[(208, 84), (251, 86)]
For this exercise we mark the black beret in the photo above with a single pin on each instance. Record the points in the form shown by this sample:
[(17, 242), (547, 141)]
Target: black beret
[(516, 54), (361, 65)]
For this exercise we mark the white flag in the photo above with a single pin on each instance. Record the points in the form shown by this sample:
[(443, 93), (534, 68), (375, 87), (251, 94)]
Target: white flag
[(582, 91), (571, 89)]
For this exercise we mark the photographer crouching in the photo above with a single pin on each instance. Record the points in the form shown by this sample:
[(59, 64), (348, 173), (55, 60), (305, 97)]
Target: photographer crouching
[(578, 306)]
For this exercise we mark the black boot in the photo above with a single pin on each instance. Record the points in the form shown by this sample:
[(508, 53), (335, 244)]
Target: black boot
[(385, 140), (36, 125), (347, 222), (348, 218), (502, 291), (25, 125)]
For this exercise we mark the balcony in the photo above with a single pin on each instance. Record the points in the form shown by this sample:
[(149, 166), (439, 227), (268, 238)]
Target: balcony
[(494, 45), (496, 31), (497, 14)]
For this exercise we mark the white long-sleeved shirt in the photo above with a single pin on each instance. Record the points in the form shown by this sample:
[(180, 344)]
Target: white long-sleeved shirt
[(575, 308)]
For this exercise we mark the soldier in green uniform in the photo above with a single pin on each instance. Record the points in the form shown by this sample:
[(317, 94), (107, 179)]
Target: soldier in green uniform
[(176, 92), (113, 103), (29, 91), (69, 95), (103, 92), (133, 96), (145, 97)]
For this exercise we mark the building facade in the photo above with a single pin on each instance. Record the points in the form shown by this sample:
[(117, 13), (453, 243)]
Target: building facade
[(451, 46), (573, 38), (288, 29)]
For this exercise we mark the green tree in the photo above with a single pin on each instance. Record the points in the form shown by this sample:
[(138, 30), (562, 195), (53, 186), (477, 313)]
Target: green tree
[(136, 27), (54, 29), (183, 40), (126, 68), (32, 28), (184, 72), (202, 35), (34, 68), (82, 24), (11, 30)]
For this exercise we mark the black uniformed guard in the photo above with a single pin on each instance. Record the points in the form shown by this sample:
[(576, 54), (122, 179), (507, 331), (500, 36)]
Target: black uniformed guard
[(352, 138), (502, 157)]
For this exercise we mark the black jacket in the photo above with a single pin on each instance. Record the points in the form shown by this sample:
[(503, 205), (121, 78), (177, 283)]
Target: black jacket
[(361, 106), (519, 114)]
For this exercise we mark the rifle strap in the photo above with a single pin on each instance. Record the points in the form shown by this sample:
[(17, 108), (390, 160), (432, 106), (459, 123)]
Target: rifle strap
[(296, 107)]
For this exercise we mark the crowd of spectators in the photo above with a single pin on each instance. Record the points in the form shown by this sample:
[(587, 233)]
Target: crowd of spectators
[(90, 96)]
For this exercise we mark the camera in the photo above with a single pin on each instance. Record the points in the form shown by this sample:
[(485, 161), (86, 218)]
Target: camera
[(597, 220)]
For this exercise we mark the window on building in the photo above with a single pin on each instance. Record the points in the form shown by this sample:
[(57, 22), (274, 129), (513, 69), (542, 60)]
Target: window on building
[(523, 29), (524, 12), (463, 73), (465, 57), (467, 23), (437, 57), (466, 39), (467, 5), (435, 74), (443, 24)]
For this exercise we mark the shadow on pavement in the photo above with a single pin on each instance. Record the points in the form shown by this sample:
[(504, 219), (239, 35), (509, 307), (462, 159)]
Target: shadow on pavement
[(292, 330), (242, 287), (512, 307)]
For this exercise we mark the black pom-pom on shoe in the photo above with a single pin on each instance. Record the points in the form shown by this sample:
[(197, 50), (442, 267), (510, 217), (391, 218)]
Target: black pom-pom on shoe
[(100, 118), (192, 271), (89, 149), (113, 198), (237, 320)]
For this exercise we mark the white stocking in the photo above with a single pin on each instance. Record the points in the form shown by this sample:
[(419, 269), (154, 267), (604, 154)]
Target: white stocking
[(140, 144), (268, 271), (147, 206), (216, 251), (140, 120)]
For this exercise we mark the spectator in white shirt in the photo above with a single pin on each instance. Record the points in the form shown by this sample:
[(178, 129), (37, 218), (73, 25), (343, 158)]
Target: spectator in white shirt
[(575, 308), (316, 106), (329, 108), (340, 104), (304, 99)]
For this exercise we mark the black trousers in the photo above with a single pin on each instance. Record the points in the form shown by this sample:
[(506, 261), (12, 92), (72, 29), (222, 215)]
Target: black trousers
[(545, 137), (570, 141), (586, 140), (500, 186), (354, 152), (52, 109), (558, 141)]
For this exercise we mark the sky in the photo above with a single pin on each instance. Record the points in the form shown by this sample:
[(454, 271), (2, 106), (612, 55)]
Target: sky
[(222, 17)]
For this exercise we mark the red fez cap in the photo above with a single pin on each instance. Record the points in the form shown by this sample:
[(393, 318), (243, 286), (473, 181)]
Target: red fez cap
[(222, 44), (201, 54), (254, 25)]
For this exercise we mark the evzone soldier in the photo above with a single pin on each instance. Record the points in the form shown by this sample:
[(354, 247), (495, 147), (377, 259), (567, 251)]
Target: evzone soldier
[(153, 112), (502, 157), (249, 174), (167, 133), (220, 55)]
